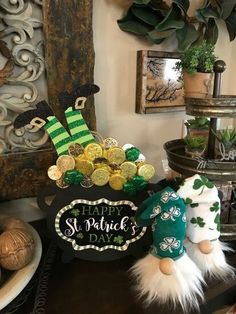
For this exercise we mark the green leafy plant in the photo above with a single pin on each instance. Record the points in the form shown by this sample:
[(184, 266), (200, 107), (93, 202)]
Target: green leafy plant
[(201, 123), (195, 142), (198, 58), (156, 21), (227, 137)]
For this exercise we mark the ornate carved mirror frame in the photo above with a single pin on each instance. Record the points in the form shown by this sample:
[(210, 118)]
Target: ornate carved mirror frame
[(69, 61)]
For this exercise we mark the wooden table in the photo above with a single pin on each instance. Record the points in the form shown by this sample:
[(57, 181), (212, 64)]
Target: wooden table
[(82, 287)]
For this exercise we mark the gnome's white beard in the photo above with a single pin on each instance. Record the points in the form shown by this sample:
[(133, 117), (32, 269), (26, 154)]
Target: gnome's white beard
[(182, 287), (213, 264)]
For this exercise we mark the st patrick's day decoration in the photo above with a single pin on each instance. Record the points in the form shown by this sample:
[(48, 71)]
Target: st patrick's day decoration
[(103, 203), (167, 274), (97, 183), (203, 227)]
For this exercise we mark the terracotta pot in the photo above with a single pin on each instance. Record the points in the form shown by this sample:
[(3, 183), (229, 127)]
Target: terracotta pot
[(197, 85)]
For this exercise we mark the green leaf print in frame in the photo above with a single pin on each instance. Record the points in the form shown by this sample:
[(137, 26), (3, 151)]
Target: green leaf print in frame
[(198, 222), (202, 183), (215, 207)]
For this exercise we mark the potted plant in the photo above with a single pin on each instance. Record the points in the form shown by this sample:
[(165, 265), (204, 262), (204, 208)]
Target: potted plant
[(195, 145), (197, 64), (227, 141), (199, 126)]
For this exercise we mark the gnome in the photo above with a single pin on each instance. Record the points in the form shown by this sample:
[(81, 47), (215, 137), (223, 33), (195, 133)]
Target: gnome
[(167, 274), (203, 227)]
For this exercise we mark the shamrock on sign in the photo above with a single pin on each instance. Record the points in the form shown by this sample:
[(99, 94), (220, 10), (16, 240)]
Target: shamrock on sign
[(202, 183), (119, 239), (75, 212), (171, 214), (166, 196), (198, 222), (169, 243), (80, 235), (215, 207), (156, 211)]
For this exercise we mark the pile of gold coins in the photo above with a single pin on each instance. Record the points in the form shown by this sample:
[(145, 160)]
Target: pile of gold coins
[(100, 164)]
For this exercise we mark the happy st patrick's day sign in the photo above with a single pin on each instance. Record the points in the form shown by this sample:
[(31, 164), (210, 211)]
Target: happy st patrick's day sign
[(98, 225)]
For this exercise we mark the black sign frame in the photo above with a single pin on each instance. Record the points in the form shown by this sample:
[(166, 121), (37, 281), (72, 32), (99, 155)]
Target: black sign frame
[(61, 198)]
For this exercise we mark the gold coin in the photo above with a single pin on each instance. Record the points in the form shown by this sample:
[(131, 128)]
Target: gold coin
[(104, 153), (147, 171), (115, 168), (110, 142), (54, 173), (86, 183), (61, 183), (100, 161), (128, 169), (75, 149), (117, 181), (65, 162), (92, 151), (100, 176), (116, 155), (85, 166)]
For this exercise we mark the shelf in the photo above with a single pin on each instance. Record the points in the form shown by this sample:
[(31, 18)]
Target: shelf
[(228, 232), (220, 107), (215, 170)]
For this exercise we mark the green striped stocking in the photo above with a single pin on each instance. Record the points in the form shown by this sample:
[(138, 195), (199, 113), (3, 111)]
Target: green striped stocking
[(79, 130), (58, 134)]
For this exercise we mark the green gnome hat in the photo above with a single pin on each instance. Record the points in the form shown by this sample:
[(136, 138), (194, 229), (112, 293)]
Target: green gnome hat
[(165, 210)]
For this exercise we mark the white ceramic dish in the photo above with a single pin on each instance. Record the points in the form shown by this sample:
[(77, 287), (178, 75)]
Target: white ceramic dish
[(19, 279)]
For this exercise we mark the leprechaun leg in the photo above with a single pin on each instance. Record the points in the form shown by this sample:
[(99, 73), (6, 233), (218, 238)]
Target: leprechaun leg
[(78, 128), (58, 134)]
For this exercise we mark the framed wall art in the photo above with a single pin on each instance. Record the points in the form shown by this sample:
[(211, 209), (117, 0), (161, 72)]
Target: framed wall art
[(158, 87), (49, 49)]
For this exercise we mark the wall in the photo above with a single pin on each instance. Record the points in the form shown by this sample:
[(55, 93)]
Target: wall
[(115, 73)]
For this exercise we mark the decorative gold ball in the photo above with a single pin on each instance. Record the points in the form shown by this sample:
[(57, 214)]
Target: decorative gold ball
[(9, 223), (16, 248), (167, 266)]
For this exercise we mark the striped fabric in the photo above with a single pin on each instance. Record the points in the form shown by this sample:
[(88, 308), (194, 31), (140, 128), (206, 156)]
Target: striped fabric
[(58, 134), (79, 131)]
